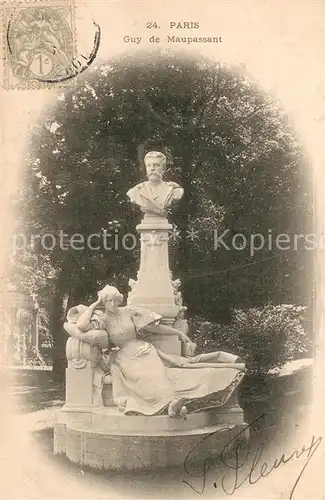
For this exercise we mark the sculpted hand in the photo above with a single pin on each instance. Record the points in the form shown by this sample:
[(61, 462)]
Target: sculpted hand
[(184, 338), (97, 303), (189, 348)]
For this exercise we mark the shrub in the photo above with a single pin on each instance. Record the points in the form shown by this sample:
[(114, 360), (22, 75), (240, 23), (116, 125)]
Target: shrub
[(264, 337)]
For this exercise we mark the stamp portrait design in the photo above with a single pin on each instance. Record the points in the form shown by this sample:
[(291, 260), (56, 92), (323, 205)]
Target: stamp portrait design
[(39, 43)]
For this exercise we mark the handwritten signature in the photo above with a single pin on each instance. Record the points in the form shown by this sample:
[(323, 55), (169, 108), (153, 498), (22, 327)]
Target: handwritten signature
[(237, 459)]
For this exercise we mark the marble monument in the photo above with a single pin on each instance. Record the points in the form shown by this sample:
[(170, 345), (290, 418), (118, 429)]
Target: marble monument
[(137, 394)]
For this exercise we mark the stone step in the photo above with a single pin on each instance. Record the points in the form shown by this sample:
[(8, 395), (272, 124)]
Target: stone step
[(207, 429), (111, 419), (102, 449)]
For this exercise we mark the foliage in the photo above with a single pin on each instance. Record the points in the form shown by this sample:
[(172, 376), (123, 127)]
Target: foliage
[(18, 328), (264, 337), (44, 331), (21, 333), (231, 148), (35, 357), (33, 273)]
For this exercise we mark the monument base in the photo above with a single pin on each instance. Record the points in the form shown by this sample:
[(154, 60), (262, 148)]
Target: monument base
[(107, 439)]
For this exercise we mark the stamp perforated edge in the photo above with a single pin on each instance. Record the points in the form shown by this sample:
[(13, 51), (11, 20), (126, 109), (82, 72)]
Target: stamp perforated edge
[(5, 66)]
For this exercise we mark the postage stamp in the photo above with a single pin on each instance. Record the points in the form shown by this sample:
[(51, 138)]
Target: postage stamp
[(38, 42)]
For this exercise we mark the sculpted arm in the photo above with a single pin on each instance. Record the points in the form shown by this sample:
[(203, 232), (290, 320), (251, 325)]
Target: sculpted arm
[(130, 194), (134, 194), (83, 322), (165, 330), (178, 193), (93, 337)]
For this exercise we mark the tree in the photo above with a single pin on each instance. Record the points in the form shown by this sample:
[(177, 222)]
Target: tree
[(230, 147)]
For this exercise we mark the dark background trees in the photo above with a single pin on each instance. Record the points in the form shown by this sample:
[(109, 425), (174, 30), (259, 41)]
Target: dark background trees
[(230, 146)]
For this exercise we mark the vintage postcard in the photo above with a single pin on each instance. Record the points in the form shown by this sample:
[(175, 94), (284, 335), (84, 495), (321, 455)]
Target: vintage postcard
[(162, 297)]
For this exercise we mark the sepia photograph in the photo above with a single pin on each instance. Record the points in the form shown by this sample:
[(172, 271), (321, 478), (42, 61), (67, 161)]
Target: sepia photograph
[(161, 286)]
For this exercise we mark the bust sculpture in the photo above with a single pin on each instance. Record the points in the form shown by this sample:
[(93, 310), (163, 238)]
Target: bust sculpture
[(155, 195)]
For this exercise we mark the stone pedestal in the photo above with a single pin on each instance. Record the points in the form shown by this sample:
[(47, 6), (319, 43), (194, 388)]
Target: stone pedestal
[(153, 289), (81, 393), (107, 439)]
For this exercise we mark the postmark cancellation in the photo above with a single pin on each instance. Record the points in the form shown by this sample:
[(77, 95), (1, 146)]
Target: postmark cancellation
[(38, 42)]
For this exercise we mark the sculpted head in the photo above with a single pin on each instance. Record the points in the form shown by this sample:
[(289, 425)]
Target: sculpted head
[(155, 163), (110, 297)]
